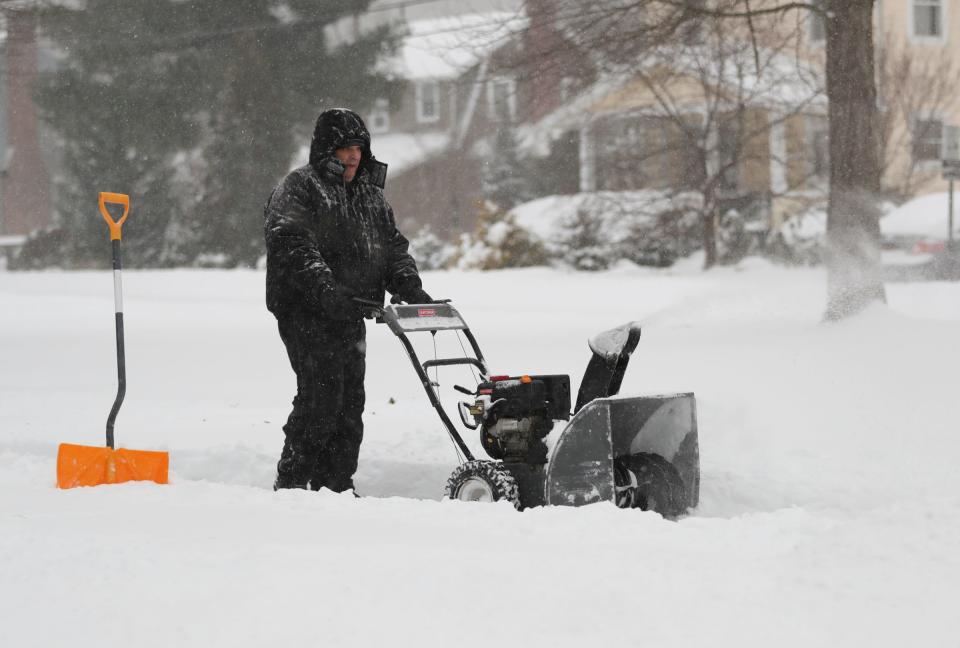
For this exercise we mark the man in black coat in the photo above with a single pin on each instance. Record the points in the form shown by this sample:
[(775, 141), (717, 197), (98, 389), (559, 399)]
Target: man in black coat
[(331, 238)]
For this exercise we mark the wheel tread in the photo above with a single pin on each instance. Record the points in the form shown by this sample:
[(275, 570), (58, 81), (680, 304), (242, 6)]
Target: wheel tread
[(493, 472)]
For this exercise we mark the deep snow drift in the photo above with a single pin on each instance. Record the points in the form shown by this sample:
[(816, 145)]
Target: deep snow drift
[(829, 512)]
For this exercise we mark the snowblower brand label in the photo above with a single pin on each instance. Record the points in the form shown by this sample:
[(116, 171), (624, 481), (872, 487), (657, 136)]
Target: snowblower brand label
[(427, 312)]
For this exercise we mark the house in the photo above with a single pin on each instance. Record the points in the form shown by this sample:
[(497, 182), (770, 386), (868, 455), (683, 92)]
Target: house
[(918, 52), (432, 135), (743, 126), (470, 77), (465, 82)]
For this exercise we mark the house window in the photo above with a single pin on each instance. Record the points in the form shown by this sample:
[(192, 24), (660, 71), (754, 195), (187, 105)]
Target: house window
[(927, 18), (428, 101), (379, 119), (502, 99), (927, 139)]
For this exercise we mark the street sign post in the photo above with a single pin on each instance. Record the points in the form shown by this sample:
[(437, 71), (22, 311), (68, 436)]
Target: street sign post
[(951, 171)]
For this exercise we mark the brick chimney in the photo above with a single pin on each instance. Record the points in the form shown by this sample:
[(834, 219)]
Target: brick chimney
[(547, 54), (552, 57), (25, 203)]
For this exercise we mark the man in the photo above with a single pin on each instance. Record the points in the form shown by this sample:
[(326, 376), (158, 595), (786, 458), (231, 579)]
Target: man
[(331, 238)]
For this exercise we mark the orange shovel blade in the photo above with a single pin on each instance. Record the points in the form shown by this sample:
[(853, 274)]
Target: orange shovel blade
[(79, 465)]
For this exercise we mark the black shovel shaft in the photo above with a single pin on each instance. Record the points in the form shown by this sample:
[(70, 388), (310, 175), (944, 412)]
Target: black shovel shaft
[(121, 361)]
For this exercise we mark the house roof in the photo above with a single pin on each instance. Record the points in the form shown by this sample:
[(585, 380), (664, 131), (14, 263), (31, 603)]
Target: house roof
[(446, 47), (404, 150), (781, 83)]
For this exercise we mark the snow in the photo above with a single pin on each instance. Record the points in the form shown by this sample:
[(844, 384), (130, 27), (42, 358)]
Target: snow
[(405, 150), (446, 47), (545, 217), (925, 217), (12, 240), (610, 344), (829, 511)]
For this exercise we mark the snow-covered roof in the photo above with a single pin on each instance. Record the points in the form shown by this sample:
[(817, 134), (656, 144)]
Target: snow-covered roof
[(444, 48), (781, 83), (12, 240), (923, 217), (404, 150), (399, 151)]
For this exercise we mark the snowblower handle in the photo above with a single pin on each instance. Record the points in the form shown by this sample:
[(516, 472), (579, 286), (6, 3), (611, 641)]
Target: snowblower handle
[(114, 199)]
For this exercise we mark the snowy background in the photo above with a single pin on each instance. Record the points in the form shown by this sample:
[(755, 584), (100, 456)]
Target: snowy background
[(829, 511)]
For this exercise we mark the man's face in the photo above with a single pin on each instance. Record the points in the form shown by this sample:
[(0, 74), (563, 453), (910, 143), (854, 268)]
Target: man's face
[(350, 157)]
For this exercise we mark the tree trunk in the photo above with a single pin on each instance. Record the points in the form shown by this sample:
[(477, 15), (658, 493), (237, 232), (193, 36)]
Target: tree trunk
[(710, 236), (709, 168), (854, 278)]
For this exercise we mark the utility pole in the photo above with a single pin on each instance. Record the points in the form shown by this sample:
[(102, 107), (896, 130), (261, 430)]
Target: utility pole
[(951, 172)]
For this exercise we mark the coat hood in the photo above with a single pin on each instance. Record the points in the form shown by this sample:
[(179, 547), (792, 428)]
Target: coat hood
[(335, 128)]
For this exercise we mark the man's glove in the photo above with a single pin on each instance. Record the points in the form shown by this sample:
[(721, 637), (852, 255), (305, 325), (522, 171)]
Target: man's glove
[(337, 303), (411, 292), (415, 295)]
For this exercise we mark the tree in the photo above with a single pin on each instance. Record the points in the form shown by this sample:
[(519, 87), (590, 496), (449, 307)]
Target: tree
[(118, 123), (505, 181), (619, 32), (196, 109), (712, 104)]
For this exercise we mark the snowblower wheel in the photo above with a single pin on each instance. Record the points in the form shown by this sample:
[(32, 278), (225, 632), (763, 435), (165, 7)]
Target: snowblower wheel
[(649, 482), (483, 481)]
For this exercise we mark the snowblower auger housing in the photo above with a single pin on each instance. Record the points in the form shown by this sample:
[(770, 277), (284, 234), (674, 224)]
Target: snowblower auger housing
[(636, 451)]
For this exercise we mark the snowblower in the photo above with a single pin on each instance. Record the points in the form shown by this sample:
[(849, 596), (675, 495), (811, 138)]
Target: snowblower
[(636, 451), (79, 465)]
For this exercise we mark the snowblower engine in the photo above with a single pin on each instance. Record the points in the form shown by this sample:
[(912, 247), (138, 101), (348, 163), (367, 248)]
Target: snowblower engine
[(515, 414)]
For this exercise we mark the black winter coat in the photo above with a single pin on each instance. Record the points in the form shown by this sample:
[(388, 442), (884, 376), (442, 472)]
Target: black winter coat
[(322, 232)]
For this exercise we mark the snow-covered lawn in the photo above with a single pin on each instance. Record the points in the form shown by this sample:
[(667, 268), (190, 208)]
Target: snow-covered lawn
[(830, 503)]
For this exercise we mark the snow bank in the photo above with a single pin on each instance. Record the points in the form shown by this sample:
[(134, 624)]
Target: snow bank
[(925, 217), (545, 217)]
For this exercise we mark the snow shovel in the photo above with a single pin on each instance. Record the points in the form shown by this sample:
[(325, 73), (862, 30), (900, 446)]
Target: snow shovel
[(79, 465)]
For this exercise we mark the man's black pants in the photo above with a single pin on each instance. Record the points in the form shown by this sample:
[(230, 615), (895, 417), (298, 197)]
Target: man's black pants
[(325, 428)]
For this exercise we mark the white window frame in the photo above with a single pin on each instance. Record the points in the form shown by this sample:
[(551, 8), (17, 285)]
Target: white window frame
[(911, 22), (420, 93), (913, 129), (511, 98), (378, 121)]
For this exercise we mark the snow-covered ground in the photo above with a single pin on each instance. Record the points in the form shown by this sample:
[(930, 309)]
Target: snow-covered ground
[(830, 504)]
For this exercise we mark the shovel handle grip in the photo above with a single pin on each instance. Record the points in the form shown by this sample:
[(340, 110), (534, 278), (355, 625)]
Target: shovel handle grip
[(107, 197)]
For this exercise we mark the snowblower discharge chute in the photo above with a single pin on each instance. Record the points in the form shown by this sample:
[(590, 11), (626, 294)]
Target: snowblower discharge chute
[(637, 451), (79, 465)]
